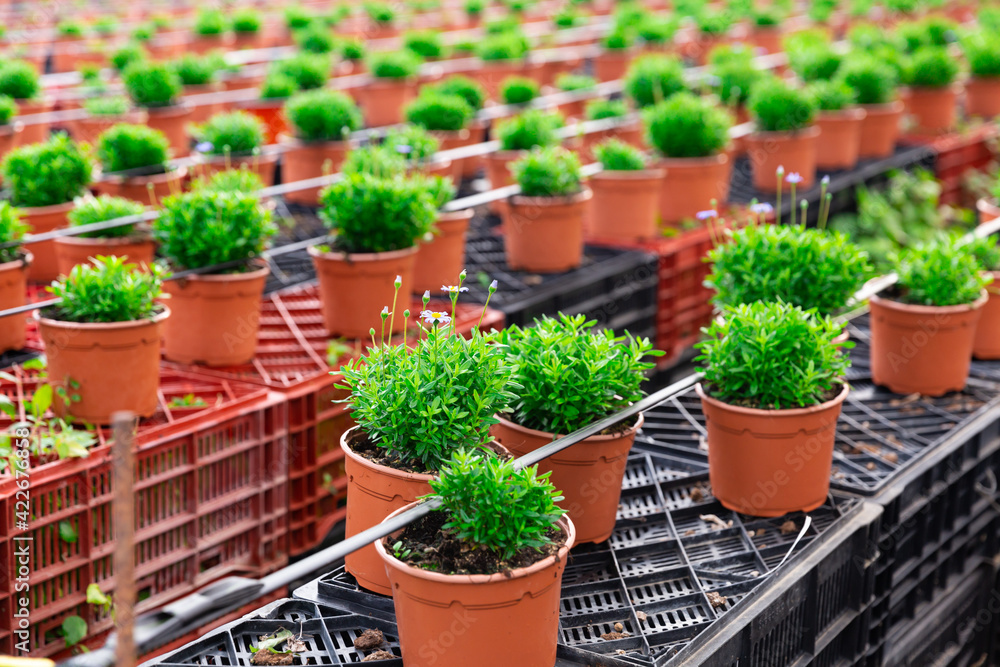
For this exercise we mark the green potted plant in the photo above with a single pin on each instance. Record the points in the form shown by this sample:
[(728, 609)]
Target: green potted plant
[(427, 44), (771, 432), (735, 77), (135, 164), (352, 55), (618, 49), (322, 122), (209, 31), (931, 93), (382, 20), (394, 451), (874, 83), (570, 377), (982, 88), (653, 78), (544, 231), (317, 38), (9, 129), (474, 95), (418, 148), (66, 50), (839, 121), (923, 328), (986, 344), (442, 249), (784, 136), (766, 32), (392, 86), (131, 242), (375, 223), (690, 136), (19, 81), (43, 180), (447, 118), (517, 135), (815, 60), (713, 30), (102, 114), (14, 262), (626, 202), (247, 23), (156, 88), (102, 340), (199, 75), (216, 312), (474, 12), (518, 90), (582, 85), (234, 139), (503, 55), (127, 54), (509, 521), (628, 127)]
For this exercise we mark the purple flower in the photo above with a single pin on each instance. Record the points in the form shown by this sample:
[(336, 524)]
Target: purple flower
[(826, 180), (204, 147), (794, 178), (404, 149), (435, 317), (762, 207), (705, 215)]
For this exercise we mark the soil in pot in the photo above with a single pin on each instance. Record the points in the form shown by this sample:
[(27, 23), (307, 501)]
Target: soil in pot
[(922, 349), (626, 204), (440, 259), (986, 344), (771, 462), (41, 219), (73, 250), (137, 188), (795, 151), (690, 184), (880, 129), (545, 234), (839, 141), (982, 97), (117, 365), (13, 290), (301, 160), (172, 121), (216, 317), (589, 474), (934, 110)]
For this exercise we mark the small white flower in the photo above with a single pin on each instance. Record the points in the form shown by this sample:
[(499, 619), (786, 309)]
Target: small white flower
[(453, 289), (705, 215), (762, 207), (794, 178), (826, 180), (435, 317)]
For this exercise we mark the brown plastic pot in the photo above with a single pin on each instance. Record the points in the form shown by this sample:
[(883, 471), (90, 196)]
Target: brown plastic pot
[(470, 166), (545, 234), (116, 364), (626, 204), (439, 260), (354, 288), (880, 129), (171, 121), (839, 141), (486, 620), (202, 111), (922, 349), (982, 96), (583, 145), (302, 160), (90, 128), (13, 291), (934, 110), (9, 137), (456, 139), (690, 184), (491, 74), (271, 113), (986, 344), (795, 151), (41, 219), (767, 38), (770, 462), (498, 172), (382, 100), (137, 188), (216, 317), (612, 65), (33, 133), (263, 165), (588, 474), (73, 250)]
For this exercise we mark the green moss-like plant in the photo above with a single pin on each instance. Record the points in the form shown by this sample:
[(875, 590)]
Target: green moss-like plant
[(548, 172), (151, 85), (616, 155), (235, 133), (686, 126), (777, 106), (12, 230), (832, 95), (90, 210), (529, 129), (19, 80), (468, 89), (125, 147), (653, 78), (518, 90), (394, 64), (47, 174), (931, 67), (440, 113), (323, 115), (874, 82)]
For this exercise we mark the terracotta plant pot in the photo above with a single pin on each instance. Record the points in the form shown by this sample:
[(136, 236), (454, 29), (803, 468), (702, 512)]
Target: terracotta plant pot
[(137, 188), (922, 349), (470, 166), (73, 250), (839, 141), (768, 39), (13, 291), (795, 151), (41, 219), (545, 234), (583, 145), (216, 317), (497, 620), (626, 204), (988, 210), (690, 184), (440, 260), (451, 140), (90, 128), (982, 97), (770, 462), (382, 100), (271, 113), (986, 344), (374, 492), (117, 365), (498, 172), (33, 133), (10, 135), (354, 288), (491, 74), (588, 475), (172, 122), (202, 111), (880, 129), (612, 65), (933, 109), (303, 160), (263, 165), (248, 40)]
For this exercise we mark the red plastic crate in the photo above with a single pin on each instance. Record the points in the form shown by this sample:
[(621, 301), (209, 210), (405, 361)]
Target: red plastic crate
[(210, 501), (957, 154)]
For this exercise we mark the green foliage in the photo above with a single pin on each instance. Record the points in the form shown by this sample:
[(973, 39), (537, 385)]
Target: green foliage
[(768, 17), (246, 20), (529, 129), (210, 22), (151, 84), (352, 49), (548, 172), (46, 174), (653, 78), (778, 107), (297, 17), (74, 630), (377, 160), (307, 70), (982, 51), (503, 46), (832, 95), (714, 23), (571, 82), (616, 155), (930, 31), (599, 109), (317, 38), (986, 251), (277, 86), (109, 290), (123, 147), (234, 133), (943, 272), (323, 115), (196, 70), (816, 63), (687, 126), (89, 210), (474, 7), (128, 54), (206, 227), (772, 356), (425, 43), (70, 28), (931, 67), (231, 180), (873, 81), (437, 112), (19, 80), (572, 376), (468, 89), (413, 142), (618, 40), (8, 109), (734, 78), (380, 12), (812, 268), (368, 214), (116, 105), (656, 29), (490, 505), (12, 228), (394, 64), (518, 90)]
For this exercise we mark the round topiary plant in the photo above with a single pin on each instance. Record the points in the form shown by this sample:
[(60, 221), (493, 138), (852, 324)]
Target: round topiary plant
[(931, 67), (90, 210), (600, 109), (616, 155), (468, 89), (413, 142), (195, 70), (47, 174), (548, 172), (12, 230), (236, 133), (686, 126), (982, 51), (425, 43), (151, 84), (873, 81), (307, 70), (19, 80), (654, 78), (323, 115), (8, 109), (126, 147), (832, 95), (779, 107), (518, 90), (438, 112), (394, 64), (529, 129)]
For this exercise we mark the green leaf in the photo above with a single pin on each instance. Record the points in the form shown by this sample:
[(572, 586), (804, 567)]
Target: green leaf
[(34, 365), (96, 596), (67, 533), (41, 400), (74, 630)]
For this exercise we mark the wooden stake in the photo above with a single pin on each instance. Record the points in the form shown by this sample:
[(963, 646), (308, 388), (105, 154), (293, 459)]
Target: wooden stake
[(124, 511)]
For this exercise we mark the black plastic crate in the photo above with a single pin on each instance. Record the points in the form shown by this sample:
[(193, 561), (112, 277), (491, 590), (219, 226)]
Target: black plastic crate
[(661, 569)]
